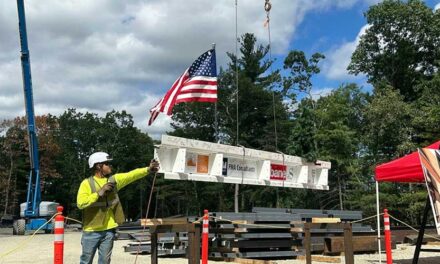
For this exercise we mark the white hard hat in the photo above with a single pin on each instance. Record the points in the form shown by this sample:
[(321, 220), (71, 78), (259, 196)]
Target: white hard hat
[(98, 157)]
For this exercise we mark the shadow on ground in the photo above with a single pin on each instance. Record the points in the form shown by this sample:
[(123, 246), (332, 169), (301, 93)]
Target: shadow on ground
[(422, 260)]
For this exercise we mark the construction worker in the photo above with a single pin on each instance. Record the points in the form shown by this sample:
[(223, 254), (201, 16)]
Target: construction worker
[(102, 210)]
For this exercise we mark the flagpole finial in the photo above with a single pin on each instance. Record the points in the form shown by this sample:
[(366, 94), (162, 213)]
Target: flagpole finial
[(213, 45)]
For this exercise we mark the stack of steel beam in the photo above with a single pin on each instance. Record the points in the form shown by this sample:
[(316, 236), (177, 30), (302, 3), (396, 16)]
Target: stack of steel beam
[(263, 233), (275, 232), (169, 244), (254, 235)]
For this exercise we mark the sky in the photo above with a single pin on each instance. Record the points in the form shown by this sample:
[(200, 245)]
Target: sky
[(102, 55)]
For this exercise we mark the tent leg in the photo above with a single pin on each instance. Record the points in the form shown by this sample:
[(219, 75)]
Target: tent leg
[(421, 233), (378, 222)]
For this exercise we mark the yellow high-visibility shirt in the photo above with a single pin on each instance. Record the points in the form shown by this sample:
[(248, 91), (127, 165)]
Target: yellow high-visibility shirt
[(85, 196)]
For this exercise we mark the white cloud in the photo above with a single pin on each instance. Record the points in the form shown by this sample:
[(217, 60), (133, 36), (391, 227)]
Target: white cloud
[(320, 92), (372, 2), (437, 6), (102, 55), (337, 59)]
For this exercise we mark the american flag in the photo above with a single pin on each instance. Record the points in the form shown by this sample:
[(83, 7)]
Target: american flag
[(197, 84)]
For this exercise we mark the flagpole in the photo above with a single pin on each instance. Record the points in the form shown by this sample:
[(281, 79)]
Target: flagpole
[(215, 111), (237, 187)]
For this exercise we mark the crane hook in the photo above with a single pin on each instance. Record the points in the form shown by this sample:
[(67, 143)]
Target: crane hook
[(267, 5)]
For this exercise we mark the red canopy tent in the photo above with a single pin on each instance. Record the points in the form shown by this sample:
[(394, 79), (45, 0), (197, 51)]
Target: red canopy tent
[(405, 169)]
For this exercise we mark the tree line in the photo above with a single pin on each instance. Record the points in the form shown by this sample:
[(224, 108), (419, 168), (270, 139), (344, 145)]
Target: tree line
[(353, 128)]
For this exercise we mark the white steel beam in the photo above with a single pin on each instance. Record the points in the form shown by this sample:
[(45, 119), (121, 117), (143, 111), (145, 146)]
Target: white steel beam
[(195, 160)]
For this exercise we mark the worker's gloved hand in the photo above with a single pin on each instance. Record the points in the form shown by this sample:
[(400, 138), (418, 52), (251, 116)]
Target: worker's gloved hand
[(108, 187), (154, 166)]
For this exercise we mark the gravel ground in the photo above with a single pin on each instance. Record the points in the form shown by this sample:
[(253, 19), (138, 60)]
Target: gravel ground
[(39, 249)]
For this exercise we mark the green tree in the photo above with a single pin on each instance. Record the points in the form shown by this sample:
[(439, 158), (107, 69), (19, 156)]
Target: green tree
[(15, 152), (387, 134), (301, 71), (258, 100), (426, 112), (13, 166), (330, 129), (399, 53), (388, 131), (302, 141), (339, 134), (400, 47), (303, 134), (81, 134), (195, 120)]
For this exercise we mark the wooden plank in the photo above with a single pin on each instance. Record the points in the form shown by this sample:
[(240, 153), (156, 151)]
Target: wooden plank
[(197, 243), (163, 221), (360, 244), (154, 252), (191, 248), (348, 244), (324, 220), (322, 259), (194, 246), (307, 243)]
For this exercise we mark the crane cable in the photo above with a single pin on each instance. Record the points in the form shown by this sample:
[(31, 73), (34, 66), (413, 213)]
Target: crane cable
[(146, 216), (267, 8), (237, 141)]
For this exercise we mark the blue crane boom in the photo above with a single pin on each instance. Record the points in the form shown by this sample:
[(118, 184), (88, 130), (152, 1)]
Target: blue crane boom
[(34, 212), (34, 192)]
